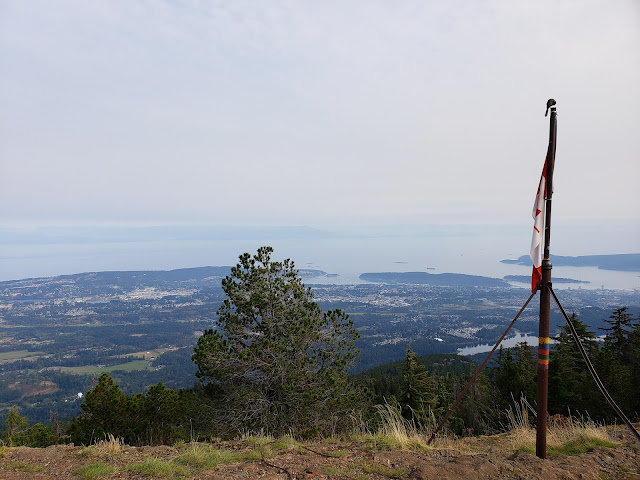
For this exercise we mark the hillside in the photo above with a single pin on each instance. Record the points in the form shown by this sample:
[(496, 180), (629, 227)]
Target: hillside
[(481, 458), (60, 333)]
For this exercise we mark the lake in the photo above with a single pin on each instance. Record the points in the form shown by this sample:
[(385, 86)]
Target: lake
[(506, 343)]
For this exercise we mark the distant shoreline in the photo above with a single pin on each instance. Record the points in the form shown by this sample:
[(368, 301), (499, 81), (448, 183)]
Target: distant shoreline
[(441, 279), (527, 279), (623, 262)]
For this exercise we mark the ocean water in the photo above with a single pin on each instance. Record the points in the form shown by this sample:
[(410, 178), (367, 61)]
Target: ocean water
[(344, 251)]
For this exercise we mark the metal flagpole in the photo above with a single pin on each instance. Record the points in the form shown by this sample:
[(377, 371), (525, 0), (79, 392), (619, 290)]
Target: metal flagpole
[(545, 296)]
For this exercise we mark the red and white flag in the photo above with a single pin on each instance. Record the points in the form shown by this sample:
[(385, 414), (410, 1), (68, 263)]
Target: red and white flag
[(539, 212)]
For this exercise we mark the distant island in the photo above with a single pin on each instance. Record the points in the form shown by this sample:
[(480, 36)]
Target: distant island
[(442, 279), (310, 273), (624, 262), (527, 279), (194, 277)]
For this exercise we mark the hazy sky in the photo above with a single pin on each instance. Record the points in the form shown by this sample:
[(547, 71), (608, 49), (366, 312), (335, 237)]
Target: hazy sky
[(332, 112)]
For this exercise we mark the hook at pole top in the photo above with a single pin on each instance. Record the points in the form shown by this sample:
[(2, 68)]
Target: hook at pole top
[(550, 103)]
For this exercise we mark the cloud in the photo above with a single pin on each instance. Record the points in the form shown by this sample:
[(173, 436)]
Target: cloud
[(287, 112)]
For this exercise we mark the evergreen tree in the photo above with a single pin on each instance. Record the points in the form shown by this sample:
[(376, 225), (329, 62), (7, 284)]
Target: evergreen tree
[(35, 436), (151, 419), (615, 360), (504, 378), (105, 410), (476, 409), (280, 363), (526, 372), (616, 377), (516, 377), (16, 424), (571, 388), (473, 415), (417, 390), (633, 358), (619, 331), (162, 414)]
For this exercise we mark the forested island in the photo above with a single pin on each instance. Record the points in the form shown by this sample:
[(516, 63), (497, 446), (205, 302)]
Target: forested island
[(425, 278), (624, 262)]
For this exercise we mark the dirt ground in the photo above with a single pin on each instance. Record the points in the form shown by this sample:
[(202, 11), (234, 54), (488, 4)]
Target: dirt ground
[(480, 458)]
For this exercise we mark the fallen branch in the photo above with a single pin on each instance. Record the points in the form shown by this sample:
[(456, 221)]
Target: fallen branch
[(274, 466), (318, 453)]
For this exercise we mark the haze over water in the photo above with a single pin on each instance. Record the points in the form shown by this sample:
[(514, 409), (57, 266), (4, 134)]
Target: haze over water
[(345, 251)]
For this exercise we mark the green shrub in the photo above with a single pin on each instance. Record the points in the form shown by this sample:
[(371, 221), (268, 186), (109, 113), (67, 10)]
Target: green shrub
[(38, 436)]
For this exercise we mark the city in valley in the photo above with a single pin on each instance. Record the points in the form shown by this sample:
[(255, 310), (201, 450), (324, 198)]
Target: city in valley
[(58, 334)]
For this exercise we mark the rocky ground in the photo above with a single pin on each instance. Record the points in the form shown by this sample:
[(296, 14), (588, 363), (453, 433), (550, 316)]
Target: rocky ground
[(475, 458)]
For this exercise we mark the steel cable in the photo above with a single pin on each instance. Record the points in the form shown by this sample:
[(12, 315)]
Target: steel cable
[(475, 375), (592, 370)]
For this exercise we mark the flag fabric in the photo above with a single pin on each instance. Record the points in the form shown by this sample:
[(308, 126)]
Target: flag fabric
[(539, 212)]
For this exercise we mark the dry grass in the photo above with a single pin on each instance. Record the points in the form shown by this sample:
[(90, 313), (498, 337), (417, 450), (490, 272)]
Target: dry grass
[(396, 432), (256, 439), (571, 436), (108, 447), (203, 456), (95, 470), (565, 437), (287, 443), (577, 438), (155, 467)]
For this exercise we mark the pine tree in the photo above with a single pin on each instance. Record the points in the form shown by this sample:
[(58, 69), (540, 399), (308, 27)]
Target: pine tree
[(525, 373), (571, 388), (619, 331), (279, 362), (105, 410), (476, 409), (516, 377), (504, 378), (161, 411), (633, 357), (15, 422), (616, 377), (150, 419), (615, 362), (417, 391)]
